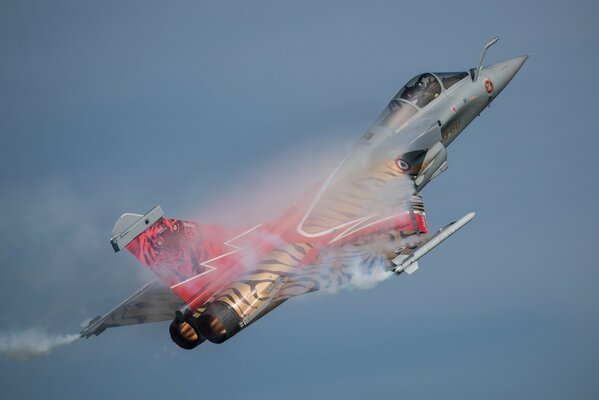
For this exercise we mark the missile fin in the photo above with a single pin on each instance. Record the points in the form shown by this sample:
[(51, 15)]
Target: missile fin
[(412, 268)]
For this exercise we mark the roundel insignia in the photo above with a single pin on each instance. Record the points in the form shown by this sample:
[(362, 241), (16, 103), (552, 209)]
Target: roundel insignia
[(402, 164), (489, 86)]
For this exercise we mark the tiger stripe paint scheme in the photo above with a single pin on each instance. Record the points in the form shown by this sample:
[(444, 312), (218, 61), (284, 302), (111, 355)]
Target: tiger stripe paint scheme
[(366, 215), (352, 219)]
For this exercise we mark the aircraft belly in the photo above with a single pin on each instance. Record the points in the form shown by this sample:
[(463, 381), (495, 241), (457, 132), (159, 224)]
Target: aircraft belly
[(283, 273)]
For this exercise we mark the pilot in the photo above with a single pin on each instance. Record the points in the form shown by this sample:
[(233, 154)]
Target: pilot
[(428, 89), (409, 93)]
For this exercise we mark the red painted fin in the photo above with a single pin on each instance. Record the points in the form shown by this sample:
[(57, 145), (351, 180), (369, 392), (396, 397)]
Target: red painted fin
[(174, 249)]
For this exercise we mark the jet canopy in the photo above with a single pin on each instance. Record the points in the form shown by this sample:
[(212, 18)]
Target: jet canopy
[(417, 93), (424, 88)]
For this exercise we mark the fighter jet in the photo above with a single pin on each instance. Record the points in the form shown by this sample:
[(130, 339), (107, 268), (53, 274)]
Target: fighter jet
[(367, 215)]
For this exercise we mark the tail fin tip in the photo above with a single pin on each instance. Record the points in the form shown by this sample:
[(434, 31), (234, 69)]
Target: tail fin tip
[(129, 226)]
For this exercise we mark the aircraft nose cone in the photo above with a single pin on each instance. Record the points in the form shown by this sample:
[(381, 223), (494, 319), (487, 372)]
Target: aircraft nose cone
[(502, 72)]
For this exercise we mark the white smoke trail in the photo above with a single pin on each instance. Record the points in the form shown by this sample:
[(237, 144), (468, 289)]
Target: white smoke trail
[(31, 343), (362, 278)]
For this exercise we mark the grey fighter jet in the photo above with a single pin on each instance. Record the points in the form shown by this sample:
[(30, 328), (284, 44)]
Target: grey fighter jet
[(366, 217)]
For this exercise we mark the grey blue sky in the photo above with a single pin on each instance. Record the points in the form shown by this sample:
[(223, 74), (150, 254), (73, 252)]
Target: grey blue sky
[(114, 106)]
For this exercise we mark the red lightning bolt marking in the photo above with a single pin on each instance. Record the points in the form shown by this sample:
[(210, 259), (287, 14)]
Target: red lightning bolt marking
[(211, 268)]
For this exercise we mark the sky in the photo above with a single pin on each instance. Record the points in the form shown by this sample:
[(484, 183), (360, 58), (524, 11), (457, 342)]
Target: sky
[(203, 107)]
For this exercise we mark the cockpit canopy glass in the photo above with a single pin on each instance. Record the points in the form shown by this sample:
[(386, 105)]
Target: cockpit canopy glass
[(420, 90), (448, 79), (396, 114)]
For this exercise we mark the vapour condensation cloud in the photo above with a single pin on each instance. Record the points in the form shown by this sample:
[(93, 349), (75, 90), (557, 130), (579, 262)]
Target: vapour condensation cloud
[(262, 191), (59, 242)]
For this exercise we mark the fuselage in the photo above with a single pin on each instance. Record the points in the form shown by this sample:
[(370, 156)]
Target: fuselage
[(363, 222), (428, 113), (364, 214)]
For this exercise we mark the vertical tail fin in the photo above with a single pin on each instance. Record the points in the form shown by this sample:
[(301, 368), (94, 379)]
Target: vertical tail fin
[(172, 249)]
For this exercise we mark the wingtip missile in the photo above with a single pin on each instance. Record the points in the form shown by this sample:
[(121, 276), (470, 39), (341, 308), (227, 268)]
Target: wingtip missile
[(92, 326)]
